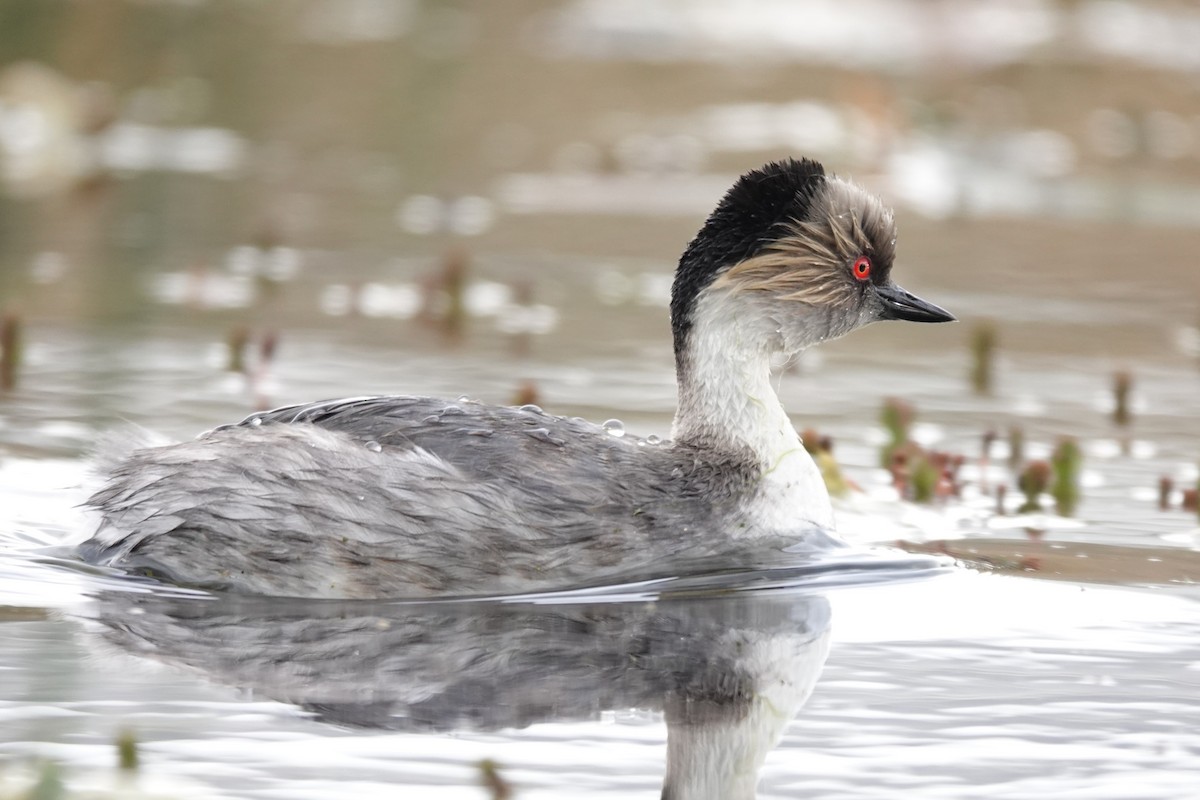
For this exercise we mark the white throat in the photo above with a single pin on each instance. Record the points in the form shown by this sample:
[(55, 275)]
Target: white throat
[(727, 403)]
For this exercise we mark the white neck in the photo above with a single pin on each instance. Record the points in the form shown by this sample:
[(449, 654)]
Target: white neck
[(727, 403)]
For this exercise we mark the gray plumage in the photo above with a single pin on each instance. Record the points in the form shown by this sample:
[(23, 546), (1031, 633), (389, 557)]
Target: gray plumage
[(403, 496)]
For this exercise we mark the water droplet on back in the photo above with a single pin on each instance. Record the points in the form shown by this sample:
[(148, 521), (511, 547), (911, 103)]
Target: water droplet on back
[(652, 439), (255, 422), (530, 408), (375, 447), (614, 427)]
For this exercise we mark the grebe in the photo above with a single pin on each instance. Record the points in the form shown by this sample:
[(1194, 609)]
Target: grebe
[(410, 496)]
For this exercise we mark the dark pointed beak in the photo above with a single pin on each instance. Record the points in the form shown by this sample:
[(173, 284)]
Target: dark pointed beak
[(899, 304)]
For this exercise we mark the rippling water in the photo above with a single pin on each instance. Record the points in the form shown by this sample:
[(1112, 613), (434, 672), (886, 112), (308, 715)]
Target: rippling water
[(1006, 686)]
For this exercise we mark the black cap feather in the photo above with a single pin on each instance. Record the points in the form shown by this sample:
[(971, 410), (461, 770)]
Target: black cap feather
[(742, 225)]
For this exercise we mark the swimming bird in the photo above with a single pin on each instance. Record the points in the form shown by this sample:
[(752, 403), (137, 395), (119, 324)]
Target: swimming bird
[(400, 496)]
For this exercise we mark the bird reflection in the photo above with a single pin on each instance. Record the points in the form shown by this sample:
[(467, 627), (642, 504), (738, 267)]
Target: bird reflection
[(727, 673)]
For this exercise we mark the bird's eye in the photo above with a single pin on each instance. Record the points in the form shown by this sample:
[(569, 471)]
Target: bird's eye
[(861, 268)]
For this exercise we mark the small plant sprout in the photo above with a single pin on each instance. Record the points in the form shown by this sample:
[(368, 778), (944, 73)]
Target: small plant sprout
[(10, 351), (821, 450), (897, 418), (1033, 482), (924, 479), (1165, 487), (1067, 461), (1122, 392), (127, 751), (491, 779), (1191, 498), (983, 353)]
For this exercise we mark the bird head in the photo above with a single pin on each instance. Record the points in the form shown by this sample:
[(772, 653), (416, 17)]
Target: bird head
[(804, 255)]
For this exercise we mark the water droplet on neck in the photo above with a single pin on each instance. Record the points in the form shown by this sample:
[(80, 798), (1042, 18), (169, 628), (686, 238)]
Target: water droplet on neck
[(652, 439), (614, 427), (375, 447)]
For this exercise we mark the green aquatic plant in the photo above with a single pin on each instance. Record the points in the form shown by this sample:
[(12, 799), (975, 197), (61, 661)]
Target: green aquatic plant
[(983, 352), (127, 752), (821, 450), (45, 780), (897, 417), (924, 478), (41, 780), (1067, 462), (493, 781), (49, 784)]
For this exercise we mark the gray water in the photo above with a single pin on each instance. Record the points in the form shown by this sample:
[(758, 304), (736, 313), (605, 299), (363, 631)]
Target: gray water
[(320, 178)]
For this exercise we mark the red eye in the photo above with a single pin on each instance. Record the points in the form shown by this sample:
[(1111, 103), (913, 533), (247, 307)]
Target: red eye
[(861, 268)]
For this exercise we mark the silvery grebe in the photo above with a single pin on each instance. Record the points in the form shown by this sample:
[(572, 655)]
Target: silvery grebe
[(411, 496)]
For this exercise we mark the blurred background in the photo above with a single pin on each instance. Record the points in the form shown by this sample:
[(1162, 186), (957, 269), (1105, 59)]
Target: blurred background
[(206, 207), (154, 152)]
